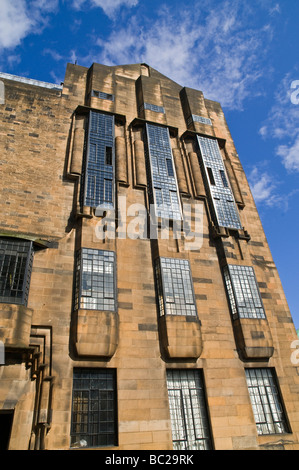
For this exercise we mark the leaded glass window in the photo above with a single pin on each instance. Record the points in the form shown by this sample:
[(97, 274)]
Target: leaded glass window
[(102, 95), (154, 107), (98, 166), (95, 280), (16, 258), (224, 208), (175, 287), (243, 292), (163, 189), (266, 401), (201, 119), (188, 410), (94, 411)]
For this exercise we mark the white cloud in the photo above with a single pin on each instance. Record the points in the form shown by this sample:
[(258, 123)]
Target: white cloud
[(15, 23), (282, 123), (110, 7), (54, 54), (266, 188), (18, 18), (211, 49), (263, 187), (283, 116), (290, 155)]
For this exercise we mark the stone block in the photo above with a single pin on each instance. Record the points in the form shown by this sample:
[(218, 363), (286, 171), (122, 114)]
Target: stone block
[(96, 333), (253, 338), (180, 338)]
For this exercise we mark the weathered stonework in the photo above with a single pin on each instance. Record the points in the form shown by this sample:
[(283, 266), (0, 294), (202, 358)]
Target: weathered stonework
[(43, 141)]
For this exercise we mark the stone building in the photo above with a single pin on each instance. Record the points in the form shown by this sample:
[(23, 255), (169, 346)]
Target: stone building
[(140, 306)]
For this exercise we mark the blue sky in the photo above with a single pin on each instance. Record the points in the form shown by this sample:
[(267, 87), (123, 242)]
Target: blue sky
[(242, 54)]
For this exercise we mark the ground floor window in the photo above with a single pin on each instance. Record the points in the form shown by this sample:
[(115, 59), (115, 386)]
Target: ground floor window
[(94, 411), (266, 401), (188, 410)]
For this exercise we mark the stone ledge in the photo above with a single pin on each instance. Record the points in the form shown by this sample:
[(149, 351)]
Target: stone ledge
[(179, 338), (95, 333), (253, 338), (15, 321)]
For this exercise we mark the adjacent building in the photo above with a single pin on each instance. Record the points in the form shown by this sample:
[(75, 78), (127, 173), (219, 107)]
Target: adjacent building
[(140, 307)]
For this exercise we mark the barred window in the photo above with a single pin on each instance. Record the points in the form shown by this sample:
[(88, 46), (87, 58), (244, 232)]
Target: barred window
[(162, 182), (222, 201), (188, 410), (175, 287), (98, 167), (266, 401), (243, 292), (16, 258), (95, 280), (94, 411)]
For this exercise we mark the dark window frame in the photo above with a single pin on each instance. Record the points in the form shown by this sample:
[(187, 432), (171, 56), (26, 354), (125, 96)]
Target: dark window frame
[(238, 286), (160, 183), (224, 209), (266, 400), (16, 260), (175, 290), (94, 420), (96, 168), (190, 423), (95, 289)]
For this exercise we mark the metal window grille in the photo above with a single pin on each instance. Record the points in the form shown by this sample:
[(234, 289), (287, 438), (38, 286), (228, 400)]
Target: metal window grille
[(154, 107), (223, 205), (266, 401), (94, 411), (175, 287), (16, 259), (99, 162), (243, 292), (188, 410), (102, 95), (95, 280), (201, 119), (163, 189)]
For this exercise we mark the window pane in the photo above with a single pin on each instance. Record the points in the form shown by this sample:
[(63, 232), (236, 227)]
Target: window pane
[(94, 415), (98, 167), (154, 107), (188, 411), (16, 258), (221, 197), (266, 402), (175, 287), (243, 292), (95, 280), (163, 189)]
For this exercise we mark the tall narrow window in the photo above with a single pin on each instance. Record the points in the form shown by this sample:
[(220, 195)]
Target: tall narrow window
[(266, 401), (94, 413), (188, 410), (243, 292), (163, 189), (175, 287), (95, 280), (222, 201), (16, 258), (98, 165)]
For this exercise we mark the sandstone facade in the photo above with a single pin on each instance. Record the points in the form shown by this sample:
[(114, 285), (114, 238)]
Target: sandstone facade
[(49, 338)]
